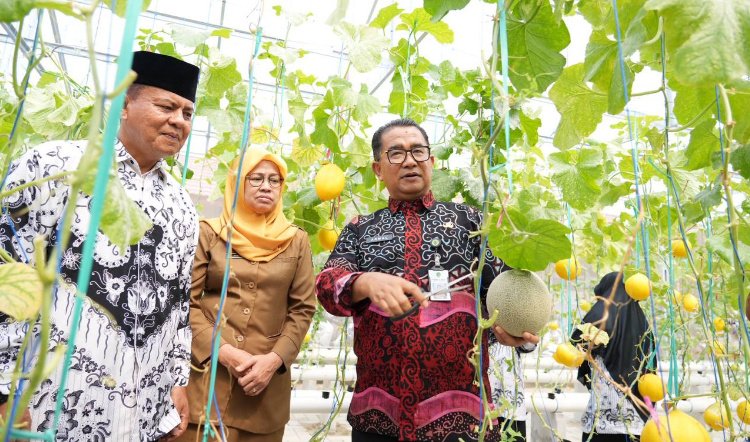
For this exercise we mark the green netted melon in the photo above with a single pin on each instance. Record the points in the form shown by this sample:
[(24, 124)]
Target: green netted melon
[(522, 300)]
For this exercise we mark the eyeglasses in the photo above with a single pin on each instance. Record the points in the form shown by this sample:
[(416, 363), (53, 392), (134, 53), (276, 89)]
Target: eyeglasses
[(398, 156), (257, 180)]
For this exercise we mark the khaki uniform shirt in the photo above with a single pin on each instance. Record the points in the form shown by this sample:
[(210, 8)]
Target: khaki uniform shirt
[(268, 307)]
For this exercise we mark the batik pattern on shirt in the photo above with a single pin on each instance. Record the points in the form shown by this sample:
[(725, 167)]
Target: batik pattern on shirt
[(609, 411), (133, 344), (507, 381), (414, 379)]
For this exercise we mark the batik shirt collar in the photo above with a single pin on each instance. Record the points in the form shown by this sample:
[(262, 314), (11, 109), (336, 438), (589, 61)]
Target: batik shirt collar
[(123, 156), (427, 201)]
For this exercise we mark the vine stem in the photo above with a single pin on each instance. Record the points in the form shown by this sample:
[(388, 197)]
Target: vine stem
[(47, 266), (733, 225), (54, 177), (14, 67), (693, 120)]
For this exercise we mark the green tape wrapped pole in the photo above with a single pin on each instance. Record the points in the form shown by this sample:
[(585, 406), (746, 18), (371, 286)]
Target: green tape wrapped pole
[(100, 186), (217, 334)]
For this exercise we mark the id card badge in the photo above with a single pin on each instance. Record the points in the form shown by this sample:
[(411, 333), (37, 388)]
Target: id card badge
[(439, 281)]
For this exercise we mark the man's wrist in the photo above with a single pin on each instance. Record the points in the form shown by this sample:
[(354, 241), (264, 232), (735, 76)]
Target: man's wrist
[(357, 295)]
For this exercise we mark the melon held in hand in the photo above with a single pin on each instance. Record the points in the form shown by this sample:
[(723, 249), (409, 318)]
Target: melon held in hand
[(522, 300)]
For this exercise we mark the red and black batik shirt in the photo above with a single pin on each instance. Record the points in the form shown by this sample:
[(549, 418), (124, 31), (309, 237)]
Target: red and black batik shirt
[(414, 379)]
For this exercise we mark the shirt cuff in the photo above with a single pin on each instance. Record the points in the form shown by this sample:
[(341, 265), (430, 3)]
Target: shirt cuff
[(344, 292)]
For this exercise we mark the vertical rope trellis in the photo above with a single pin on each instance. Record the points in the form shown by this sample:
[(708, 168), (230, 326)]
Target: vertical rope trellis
[(216, 334), (97, 206)]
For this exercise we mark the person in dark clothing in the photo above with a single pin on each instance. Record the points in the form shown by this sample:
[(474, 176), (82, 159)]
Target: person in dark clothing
[(610, 415)]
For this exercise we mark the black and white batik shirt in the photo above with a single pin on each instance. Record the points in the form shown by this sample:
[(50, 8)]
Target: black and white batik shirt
[(133, 344)]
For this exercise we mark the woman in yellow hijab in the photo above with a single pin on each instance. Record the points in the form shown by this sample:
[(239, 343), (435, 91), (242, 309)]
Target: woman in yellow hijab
[(268, 308)]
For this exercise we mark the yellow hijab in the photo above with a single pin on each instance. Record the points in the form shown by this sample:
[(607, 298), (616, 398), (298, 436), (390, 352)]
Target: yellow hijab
[(255, 237)]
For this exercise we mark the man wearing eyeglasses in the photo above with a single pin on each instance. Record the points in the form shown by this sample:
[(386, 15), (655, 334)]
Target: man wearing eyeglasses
[(414, 379)]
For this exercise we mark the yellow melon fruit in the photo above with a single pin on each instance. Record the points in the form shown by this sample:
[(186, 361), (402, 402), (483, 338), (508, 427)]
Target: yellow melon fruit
[(719, 324), (743, 412), (716, 416), (568, 355), (328, 236), (585, 306), (638, 286), (650, 385), (691, 303), (677, 427), (568, 269), (329, 182), (679, 250)]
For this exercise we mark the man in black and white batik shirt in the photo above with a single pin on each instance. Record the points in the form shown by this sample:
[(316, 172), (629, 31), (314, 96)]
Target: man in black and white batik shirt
[(132, 350)]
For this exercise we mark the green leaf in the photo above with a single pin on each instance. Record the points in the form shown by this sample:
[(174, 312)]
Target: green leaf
[(226, 144), (690, 101), (364, 44), (441, 151), (530, 128), (578, 173), (708, 42), (535, 39), (533, 245), (20, 291), (709, 197), (451, 79), (740, 103), (722, 246), (603, 68), (119, 6), (703, 143), (189, 36), (123, 222), (444, 185), (367, 105), (612, 193), (408, 102), (536, 202), (655, 138), (360, 152), (472, 189), (304, 153), (222, 74), (580, 107), (227, 115), (323, 134), (438, 8), (339, 13), (597, 12), (222, 33), (385, 15), (420, 20), (15, 10), (601, 52), (688, 182), (740, 161)]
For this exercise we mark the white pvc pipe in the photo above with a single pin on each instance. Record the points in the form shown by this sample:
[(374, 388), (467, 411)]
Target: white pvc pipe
[(559, 375), (330, 356), (312, 401)]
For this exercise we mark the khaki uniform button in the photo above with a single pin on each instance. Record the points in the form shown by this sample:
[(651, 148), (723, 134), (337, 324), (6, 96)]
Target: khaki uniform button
[(240, 338), (246, 311), (251, 285)]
